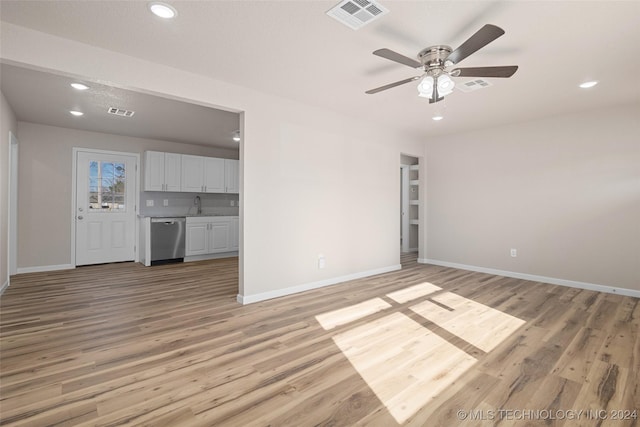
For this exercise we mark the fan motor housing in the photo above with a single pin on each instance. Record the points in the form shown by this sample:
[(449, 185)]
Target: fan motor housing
[(434, 56)]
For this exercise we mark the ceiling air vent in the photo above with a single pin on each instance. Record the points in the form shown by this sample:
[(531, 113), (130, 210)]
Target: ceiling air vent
[(357, 13), (472, 85), (120, 112)]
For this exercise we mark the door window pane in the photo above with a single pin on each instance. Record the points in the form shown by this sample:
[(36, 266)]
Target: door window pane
[(106, 187)]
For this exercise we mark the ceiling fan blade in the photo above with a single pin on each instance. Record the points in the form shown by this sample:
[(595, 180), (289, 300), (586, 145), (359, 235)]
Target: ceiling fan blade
[(390, 85), (396, 57), (480, 39), (506, 71)]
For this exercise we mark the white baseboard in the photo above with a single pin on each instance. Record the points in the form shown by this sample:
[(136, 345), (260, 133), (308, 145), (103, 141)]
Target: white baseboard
[(44, 268), (5, 285), (535, 278), (210, 256), (248, 299)]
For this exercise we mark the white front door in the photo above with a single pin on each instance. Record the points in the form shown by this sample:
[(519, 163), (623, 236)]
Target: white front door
[(105, 211)]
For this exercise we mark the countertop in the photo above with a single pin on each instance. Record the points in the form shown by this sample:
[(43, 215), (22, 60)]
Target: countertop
[(184, 216)]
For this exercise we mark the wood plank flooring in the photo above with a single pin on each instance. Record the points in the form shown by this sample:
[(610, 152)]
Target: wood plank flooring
[(169, 345)]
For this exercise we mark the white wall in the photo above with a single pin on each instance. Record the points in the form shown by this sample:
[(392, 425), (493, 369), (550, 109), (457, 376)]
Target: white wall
[(337, 177), (564, 191), (7, 124), (45, 184)]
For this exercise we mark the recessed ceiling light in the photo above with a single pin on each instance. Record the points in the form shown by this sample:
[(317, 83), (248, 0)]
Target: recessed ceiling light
[(437, 118), (79, 86), (587, 85), (76, 113), (163, 10)]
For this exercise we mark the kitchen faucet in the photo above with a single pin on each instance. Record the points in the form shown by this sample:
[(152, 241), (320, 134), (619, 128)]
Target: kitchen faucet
[(198, 203)]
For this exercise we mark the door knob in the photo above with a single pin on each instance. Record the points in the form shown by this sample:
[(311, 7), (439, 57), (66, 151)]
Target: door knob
[(80, 217), (80, 209)]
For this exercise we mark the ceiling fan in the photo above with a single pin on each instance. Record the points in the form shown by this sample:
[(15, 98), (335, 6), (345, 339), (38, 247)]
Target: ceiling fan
[(436, 63)]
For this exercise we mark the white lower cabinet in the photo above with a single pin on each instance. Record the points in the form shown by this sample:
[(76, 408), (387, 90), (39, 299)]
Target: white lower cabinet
[(211, 235), (196, 239), (234, 237), (219, 236)]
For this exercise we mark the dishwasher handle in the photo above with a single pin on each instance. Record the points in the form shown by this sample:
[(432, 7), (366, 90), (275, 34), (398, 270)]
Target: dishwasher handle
[(167, 221)]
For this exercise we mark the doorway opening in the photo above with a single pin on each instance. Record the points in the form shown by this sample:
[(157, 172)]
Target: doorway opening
[(409, 205), (170, 124), (12, 249)]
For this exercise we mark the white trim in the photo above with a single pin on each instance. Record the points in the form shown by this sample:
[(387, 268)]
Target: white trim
[(4, 287), (74, 165), (44, 268), (218, 255), (248, 299), (12, 235), (404, 208), (535, 278)]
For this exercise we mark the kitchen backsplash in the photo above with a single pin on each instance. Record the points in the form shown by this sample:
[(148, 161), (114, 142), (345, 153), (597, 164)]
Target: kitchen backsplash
[(180, 204)]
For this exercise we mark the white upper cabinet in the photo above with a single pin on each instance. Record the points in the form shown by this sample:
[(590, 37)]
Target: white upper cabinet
[(232, 176), (162, 171), (214, 175), (172, 172), (192, 173), (209, 175), (202, 174)]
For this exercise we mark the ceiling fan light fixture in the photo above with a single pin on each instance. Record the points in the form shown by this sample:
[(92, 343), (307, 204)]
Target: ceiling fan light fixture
[(445, 85), (163, 10), (425, 87)]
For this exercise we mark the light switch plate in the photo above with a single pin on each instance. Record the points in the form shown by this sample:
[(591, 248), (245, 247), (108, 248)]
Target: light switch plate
[(165, 202), (149, 203)]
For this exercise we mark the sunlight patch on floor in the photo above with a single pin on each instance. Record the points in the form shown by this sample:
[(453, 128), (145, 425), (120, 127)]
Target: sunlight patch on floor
[(476, 323), (405, 364), (349, 314), (413, 292)]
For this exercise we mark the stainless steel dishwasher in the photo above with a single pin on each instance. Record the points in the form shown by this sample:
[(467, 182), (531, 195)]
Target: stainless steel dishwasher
[(167, 240)]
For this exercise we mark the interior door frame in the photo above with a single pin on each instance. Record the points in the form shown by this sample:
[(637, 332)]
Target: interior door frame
[(74, 193), (12, 247), (404, 207)]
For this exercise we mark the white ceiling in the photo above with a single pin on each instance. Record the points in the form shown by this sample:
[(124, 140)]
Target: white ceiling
[(47, 98), (293, 49)]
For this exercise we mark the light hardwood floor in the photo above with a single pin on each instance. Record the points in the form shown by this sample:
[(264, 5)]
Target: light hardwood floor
[(170, 346)]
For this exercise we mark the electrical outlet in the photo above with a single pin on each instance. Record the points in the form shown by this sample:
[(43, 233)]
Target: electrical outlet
[(321, 261), (233, 203), (165, 202), (514, 252), (149, 203)]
